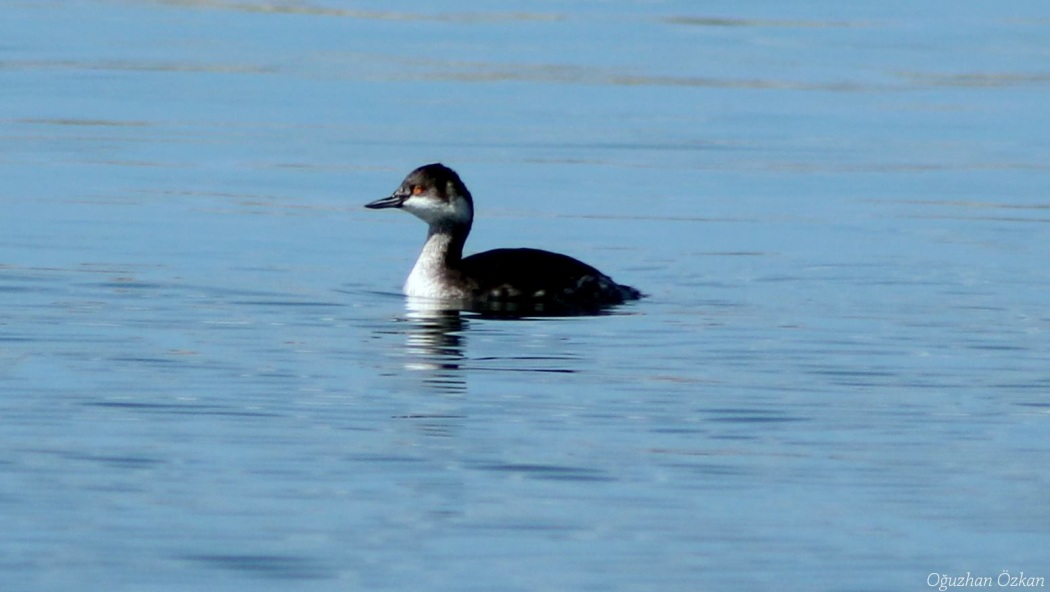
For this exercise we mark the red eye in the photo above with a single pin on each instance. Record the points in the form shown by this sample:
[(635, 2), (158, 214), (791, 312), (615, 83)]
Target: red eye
[(417, 190)]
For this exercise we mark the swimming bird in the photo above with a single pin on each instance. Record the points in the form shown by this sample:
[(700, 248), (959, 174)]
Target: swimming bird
[(529, 280)]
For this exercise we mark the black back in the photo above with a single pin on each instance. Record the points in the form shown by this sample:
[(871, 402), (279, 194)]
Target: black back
[(535, 275)]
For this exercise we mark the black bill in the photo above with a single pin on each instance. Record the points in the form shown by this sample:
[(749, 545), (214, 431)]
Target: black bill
[(392, 201)]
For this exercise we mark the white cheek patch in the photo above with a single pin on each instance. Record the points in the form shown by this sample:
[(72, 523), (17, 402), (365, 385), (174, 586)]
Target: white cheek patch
[(433, 211), (427, 210)]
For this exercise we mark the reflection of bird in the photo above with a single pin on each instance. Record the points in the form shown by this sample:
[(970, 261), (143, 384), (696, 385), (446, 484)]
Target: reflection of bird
[(501, 279)]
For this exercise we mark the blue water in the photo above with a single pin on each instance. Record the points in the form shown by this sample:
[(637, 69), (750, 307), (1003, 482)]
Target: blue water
[(839, 380)]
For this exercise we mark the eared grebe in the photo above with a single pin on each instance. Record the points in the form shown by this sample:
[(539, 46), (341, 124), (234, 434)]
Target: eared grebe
[(501, 279)]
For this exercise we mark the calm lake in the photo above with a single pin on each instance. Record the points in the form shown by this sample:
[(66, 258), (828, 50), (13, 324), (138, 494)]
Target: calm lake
[(839, 378)]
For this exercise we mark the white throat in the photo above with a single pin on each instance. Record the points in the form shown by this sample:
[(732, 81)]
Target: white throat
[(429, 277)]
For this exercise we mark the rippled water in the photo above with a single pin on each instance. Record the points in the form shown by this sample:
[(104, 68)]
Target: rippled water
[(839, 378)]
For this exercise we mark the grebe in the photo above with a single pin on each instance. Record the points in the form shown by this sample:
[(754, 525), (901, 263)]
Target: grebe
[(501, 279)]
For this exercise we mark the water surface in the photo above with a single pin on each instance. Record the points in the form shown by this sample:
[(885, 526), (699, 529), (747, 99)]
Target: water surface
[(838, 379)]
